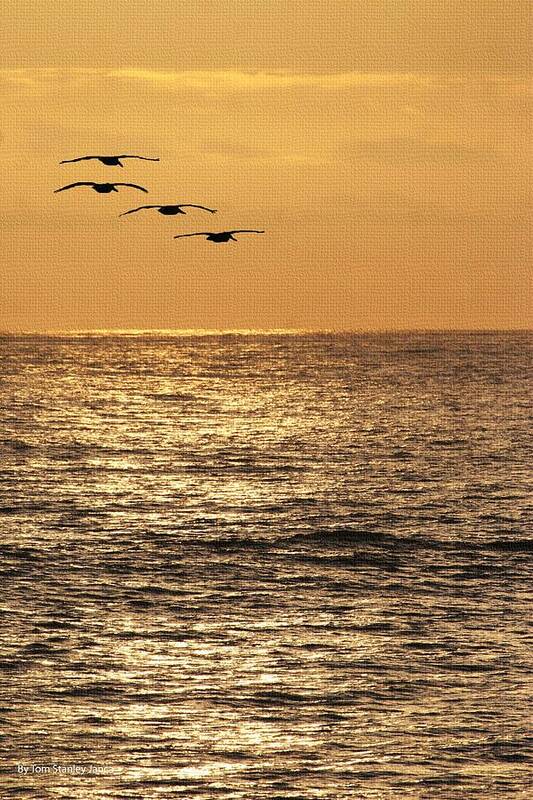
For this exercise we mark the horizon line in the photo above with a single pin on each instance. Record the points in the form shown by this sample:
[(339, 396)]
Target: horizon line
[(133, 332)]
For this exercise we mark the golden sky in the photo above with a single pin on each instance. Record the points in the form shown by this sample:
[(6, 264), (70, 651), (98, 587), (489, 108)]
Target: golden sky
[(384, 146)]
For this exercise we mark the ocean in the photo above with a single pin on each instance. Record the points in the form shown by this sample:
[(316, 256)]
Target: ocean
[(266, 566)]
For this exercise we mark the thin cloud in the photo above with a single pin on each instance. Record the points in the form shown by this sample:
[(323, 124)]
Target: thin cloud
[(235, 81), (245, 81), (223, 79), (19, 77)]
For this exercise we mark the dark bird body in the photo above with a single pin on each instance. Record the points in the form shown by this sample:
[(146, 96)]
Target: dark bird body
[(170, 211), (101, 188), (222, 236), (109, 161)]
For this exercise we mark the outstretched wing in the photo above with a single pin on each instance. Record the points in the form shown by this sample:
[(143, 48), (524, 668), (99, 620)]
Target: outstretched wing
[(82, 158), (133, 210), (185, 235), (71, 185), (244, 231), (133, 186), (143, 158), (193, 205)]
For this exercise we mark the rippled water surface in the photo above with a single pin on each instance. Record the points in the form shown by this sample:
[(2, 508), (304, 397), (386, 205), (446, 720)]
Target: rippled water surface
[(265, 566)]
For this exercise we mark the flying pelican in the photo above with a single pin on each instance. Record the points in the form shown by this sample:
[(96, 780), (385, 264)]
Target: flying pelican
[(109, 161), (169, 211), (222, 236), (101, 188)]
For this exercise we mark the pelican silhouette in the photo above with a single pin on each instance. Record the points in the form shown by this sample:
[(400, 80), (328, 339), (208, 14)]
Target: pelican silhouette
[(109, 161), (169, 211), (222, 236), (101, 188)]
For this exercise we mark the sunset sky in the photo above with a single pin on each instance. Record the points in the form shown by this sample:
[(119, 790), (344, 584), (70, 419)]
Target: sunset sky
[(384, 146)]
